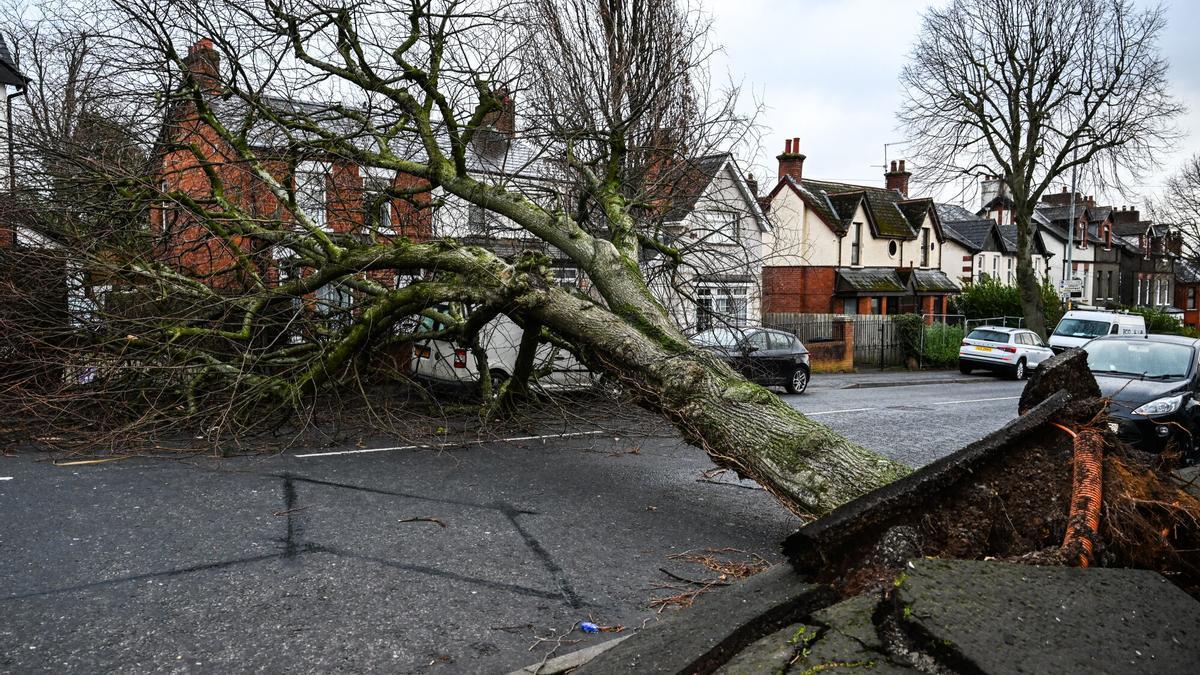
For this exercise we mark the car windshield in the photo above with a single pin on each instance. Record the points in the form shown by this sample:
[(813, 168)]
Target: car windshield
[(1140, 358), (717, 337), (989, 335), (1081, 328)]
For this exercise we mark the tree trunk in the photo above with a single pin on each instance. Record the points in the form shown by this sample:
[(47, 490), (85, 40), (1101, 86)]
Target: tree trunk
[(1028, 286), (742, 426)]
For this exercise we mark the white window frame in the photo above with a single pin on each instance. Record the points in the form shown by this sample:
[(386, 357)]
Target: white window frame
[(312, 191), (722, 304)]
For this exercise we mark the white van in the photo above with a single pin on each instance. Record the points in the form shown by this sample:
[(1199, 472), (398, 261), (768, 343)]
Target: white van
[(445, 362), (1078, 327)]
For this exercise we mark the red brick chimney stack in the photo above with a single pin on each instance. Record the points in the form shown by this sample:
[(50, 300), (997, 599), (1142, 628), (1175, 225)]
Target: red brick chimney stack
[(204, 64), (791, 162), (897, 178), (504, 120)]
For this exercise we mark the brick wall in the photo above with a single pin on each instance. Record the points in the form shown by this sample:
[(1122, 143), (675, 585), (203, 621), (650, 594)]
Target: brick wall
[(198, 250), (799, 289)]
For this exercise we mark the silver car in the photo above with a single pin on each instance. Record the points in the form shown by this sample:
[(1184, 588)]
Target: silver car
[(1011, 351)]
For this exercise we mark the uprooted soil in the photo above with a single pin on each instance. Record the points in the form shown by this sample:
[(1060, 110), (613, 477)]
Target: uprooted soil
[(1016, 508)]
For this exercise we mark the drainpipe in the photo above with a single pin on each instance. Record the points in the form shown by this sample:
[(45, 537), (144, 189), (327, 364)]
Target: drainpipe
[(12, 157)]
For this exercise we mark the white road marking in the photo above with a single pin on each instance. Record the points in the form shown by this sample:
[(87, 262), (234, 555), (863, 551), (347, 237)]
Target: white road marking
[(976, 400), (5, 477), (440, 446), (834, 412)]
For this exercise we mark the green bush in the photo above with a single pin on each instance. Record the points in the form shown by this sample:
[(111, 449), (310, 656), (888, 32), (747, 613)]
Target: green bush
[(988, 298), (941, 345), (935, 345)]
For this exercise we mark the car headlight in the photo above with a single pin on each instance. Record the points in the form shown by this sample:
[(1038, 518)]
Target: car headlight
[(1162, 406)]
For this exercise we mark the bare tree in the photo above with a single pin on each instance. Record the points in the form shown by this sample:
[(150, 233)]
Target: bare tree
[(260, 296), (1179, 205), (1031, 90)]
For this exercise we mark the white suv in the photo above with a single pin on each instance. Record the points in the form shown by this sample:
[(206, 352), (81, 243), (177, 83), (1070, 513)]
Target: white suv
[(1012, 351)]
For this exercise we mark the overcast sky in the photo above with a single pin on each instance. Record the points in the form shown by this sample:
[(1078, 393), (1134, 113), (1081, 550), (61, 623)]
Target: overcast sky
[(828, 72)]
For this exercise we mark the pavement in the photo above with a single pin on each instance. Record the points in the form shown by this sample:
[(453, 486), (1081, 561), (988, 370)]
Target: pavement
[(476, 558)]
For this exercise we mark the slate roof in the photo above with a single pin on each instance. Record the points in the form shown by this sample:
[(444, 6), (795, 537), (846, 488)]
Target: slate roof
[(8, 70), (1187, 272), (953, 213), (932, 281), (695, 182), (887, 217), (892, 281), (972, 233), (873, 280)]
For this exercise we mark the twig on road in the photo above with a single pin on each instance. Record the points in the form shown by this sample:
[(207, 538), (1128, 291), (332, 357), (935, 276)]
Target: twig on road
[(423, 520)]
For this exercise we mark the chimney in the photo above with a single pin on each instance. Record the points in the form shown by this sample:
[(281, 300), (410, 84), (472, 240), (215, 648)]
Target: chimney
[(897, 178), (752, 185), (203, 63), (791, 162), (1126, 216), (503, 120), (991, 188)]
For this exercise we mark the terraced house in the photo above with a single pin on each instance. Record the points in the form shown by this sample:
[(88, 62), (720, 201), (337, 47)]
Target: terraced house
[(852, 249)]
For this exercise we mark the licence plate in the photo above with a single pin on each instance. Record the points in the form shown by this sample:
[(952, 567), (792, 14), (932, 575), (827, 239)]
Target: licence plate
[(1114, 427), (984, 349)]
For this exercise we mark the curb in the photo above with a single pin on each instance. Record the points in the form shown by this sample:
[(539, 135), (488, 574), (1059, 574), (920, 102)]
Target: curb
[(908, 383)]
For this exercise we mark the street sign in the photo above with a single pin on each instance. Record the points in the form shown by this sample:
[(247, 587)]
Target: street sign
[(1073, 285)]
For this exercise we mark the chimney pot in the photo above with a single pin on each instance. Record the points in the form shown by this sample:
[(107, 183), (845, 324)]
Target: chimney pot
[(897, 181), (791, 162)]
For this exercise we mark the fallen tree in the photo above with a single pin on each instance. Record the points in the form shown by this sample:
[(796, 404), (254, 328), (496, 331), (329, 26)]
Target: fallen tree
[(235, 307)]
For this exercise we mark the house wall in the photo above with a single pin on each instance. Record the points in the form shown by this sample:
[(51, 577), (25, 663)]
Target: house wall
[(806, 289), (1187, 298), (193, 247), (956, 262), (799, 236), (723, 245)]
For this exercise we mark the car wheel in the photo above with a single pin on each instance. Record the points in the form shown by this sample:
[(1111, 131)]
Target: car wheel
[(499, 377), (964, 368), (797, 382), (1018, 371)]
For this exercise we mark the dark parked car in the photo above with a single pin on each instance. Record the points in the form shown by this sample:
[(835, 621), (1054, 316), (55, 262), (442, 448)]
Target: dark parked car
[(768, 357), (1153, 381)]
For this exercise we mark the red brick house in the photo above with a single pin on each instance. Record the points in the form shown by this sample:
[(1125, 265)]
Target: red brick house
[(340, 197)]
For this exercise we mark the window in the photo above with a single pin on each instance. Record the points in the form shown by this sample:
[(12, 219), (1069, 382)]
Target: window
[(567, 276), (311, 193), (476, 220), (856, 245), (1111, 294), (720, 305), (1098, 288), (779, 341), (925, 247), (850, 305), (892, 249), (996, 266), (875, 305), (1010, 271), (1191, 297)]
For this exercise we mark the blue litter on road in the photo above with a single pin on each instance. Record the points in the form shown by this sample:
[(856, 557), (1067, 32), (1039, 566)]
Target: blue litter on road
[(589, 627)]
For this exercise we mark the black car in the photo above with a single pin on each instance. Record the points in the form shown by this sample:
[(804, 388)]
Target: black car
[(1153, 382), (768, 357)]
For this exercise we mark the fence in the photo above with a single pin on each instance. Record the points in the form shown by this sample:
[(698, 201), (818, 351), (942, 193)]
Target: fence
[(876, 343)]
